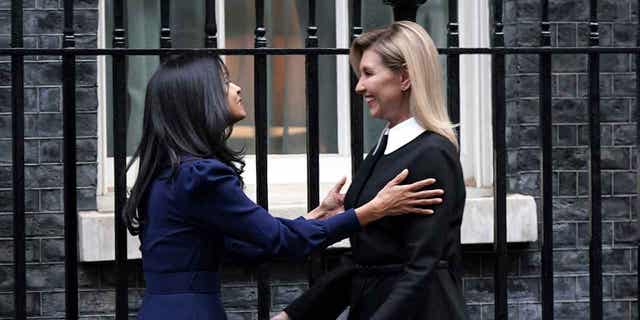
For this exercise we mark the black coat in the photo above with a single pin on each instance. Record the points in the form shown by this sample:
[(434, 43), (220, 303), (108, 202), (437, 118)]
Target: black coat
[(405, 267)]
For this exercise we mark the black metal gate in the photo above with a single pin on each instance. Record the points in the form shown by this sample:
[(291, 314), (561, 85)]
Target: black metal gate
[(402, 10)]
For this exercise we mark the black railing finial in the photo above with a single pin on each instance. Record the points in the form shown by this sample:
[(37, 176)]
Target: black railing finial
[(453, 66), (68, 38), (210, 27), (405, 9), (165, 24), (261, 31)]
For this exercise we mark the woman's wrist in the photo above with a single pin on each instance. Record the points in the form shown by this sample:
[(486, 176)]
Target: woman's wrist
[(315, 213), (368, 213)]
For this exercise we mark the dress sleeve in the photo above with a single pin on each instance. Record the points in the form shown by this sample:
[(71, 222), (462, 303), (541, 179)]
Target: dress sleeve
[(215, 200), (243, 252), (425, 238)]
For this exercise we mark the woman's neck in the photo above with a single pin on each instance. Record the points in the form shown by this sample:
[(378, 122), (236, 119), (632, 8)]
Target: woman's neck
[(393, 122), (402, 113)]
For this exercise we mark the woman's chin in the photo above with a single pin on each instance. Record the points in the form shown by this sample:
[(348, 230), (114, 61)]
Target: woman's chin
[(239, 117), (375, 113)]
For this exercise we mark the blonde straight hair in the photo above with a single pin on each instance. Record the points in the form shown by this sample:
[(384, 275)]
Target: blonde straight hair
[(406, 45)]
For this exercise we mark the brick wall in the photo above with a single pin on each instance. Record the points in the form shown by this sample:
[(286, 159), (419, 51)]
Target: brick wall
[(571, 226), (43, 147), (43, 21)]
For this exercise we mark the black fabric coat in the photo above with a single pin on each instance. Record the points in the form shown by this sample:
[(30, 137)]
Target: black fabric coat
[(405, 267)]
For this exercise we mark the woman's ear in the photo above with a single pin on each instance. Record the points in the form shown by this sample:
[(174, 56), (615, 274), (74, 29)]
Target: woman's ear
[(405, 81)]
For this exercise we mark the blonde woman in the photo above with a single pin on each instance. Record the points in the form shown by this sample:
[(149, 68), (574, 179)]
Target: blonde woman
[(406, 267)]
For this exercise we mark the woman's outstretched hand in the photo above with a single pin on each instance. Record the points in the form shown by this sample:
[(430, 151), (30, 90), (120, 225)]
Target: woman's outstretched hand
[(332, 204), (395, 199)]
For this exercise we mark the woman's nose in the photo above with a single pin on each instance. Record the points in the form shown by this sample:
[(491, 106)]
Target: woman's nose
[(236, 88), (360, 87)]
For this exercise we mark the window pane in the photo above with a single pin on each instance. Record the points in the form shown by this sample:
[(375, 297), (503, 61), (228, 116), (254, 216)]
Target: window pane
[(286, 23), (187, 30)]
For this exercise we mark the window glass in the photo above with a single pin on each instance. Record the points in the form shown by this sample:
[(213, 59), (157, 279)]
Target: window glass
[(187, 30), (286, 23)]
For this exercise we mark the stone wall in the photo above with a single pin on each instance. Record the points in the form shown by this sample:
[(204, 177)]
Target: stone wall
[(43, 21), (571, 228)]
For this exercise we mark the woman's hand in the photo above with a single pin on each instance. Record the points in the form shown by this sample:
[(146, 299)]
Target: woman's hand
[(281, 316), (395, 199), (332, 204)]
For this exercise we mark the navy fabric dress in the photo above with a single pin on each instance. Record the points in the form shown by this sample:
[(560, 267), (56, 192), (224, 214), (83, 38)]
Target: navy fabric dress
[(190, 215)]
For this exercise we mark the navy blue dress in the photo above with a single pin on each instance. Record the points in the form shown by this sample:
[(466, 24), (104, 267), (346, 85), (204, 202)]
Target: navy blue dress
[(190, 215)]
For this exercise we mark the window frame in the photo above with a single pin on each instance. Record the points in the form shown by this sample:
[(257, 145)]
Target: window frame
[(476, 153)]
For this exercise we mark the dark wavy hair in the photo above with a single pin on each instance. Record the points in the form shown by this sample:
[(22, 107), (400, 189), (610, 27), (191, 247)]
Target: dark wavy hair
[(185, 114)]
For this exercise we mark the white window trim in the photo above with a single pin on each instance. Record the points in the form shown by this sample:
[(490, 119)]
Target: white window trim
[(102, 100), (287, 173), (343, 72), (475, 95), (106, 164)]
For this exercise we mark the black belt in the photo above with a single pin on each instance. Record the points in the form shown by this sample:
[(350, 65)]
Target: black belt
[(392, 268)]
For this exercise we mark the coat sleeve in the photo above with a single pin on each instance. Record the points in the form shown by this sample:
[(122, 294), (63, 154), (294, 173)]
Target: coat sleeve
[(216, 201), (425, 238), (327, 298)]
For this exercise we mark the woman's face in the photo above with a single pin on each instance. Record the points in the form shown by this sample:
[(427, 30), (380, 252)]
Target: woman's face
[(385, 91), (234, 100)]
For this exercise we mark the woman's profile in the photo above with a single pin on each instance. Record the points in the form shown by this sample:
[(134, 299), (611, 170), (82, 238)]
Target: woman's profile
[(406, 267)]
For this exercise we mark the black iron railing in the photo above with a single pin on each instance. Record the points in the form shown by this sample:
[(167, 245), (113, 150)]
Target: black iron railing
[(119, 52)]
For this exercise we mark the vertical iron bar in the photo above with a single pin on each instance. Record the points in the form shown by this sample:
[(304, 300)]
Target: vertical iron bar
[(261, 125), (313, 139), (453, 66), (120, 154), (595, 246), (210, 27), (547, 168), (69, 167), (17, 125), (500, 174), (355, 112), (165, 24)]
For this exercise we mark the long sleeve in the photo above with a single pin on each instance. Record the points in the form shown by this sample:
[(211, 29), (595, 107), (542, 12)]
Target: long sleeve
[(327, 298), (425, 239), (217, 203), (243, 252)]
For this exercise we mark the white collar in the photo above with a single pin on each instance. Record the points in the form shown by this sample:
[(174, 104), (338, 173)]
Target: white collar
[(401, 134)]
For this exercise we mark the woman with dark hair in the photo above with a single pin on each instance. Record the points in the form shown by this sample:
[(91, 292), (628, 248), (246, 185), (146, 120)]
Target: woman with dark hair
[(187, 203)]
